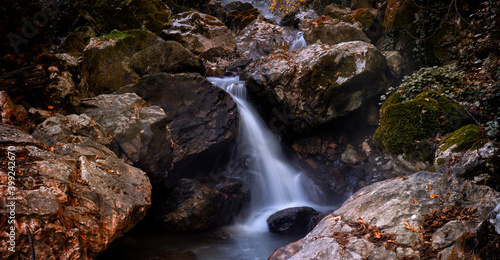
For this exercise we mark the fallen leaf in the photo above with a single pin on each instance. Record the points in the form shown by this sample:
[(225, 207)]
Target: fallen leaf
[(430, 186), (414, 201), (110, 170), (142, 131), (426, 99), (52, 148), (376, 234), (336, 218), (50, 107), (433, 196)]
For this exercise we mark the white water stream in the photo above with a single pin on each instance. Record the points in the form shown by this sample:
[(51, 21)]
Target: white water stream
[(275, 183)]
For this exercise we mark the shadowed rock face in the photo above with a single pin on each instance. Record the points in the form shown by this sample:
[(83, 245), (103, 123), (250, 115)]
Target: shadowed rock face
[(317, 83), (201, 118), (293, 221), (402, 210), (75, 199)]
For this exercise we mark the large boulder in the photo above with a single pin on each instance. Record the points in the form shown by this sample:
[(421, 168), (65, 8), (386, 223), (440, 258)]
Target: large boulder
[(239, 15), (418, 216), (317, 83), (293, 221), (192, 206), (262, 37), (407, 125), (169, 56), (332, 31), (124, 15), (201, 118), (76, 41), (75, 200), (139, 131), (106, 59), (199, 32), (11, 113)]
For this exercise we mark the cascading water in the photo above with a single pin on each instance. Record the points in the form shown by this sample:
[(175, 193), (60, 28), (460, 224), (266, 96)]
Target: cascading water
[(298, 42), (276, 184)]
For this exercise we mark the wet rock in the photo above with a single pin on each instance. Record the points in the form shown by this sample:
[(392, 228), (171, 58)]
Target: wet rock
[(81, 196), (201, 118), (219, 62), (293, 221), (406, 127), (261, 37), (495, 219), (357, 4), (56, 130), (167, 56), (106, 59), (336, 11), (239, 15), (351, 156), (192, 206), (11, 113), (398, 210), (315, 84), (331, 31), (108, 15), (139, 131), (78, 39), (199, 32)]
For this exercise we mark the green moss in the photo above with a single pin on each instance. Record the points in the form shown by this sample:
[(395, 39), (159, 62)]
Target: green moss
[(108, 15), (406, 127), (466, 137)]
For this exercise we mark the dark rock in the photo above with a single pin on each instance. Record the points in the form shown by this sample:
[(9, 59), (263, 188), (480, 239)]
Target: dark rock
[(106, 59), (81, 196), (220, 62), (199, 32), (239, 15), (192, 206), (386, 207), (139, 131), (331, 31), (124, 15), (201, 118), (167, 56), (317, 83), (293, 221), (229, 185), (396, 64), (11, 113), (78, 39), (357, 4)]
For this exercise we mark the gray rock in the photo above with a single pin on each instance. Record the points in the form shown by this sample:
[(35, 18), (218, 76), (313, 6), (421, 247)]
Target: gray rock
[(81, 196), (495, 218), (199, 32), (388, 205), (139, 131), (317, 83), (167, 56), (201, 118), (332, 31), (396, 64)]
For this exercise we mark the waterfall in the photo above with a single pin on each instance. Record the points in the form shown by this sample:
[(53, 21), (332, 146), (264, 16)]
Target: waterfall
[(298, 42), (276, 184)]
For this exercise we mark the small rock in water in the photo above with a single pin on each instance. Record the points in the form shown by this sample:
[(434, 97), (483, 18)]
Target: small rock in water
[(293, 221)]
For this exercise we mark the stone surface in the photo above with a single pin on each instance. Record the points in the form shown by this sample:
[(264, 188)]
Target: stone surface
[(192, 206), (169, 56), (261, 37), (398, 207), (239, 15), (75, 200), (139, 131), (293, 221), (317, 83), (124, 15), (201, 118), (357, 4), (199, 32), (11, 113), (106, 59), (396, 64), (77, 40), (332, 31), (56, 130), (351, 156)]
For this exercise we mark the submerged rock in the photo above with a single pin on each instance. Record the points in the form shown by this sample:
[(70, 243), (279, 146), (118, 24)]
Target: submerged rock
[(139, 131), (199, 32), (75, 200), (293, 221), (317, 83), (397, 218), (201, 118)]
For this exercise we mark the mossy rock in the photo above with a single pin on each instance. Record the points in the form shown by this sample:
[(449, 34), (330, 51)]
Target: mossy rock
[(108, 15), (466, 137), (406, 127)]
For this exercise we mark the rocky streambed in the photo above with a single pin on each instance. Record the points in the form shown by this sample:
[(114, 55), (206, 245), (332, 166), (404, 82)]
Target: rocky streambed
[(114, 144)]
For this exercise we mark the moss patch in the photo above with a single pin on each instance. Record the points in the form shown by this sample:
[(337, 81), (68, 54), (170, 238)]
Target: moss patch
[(406, 127), (466, 137)]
